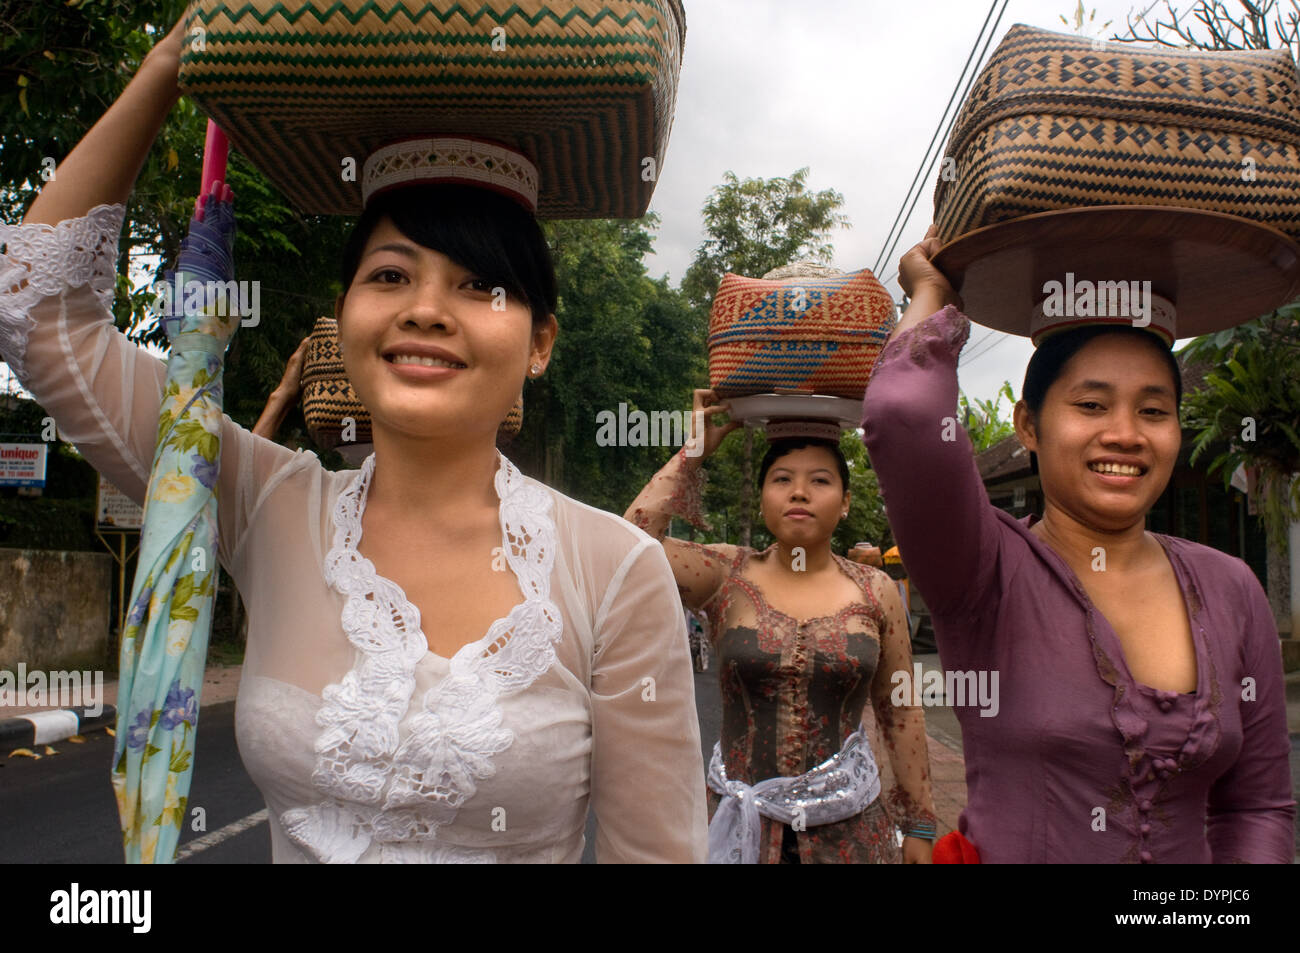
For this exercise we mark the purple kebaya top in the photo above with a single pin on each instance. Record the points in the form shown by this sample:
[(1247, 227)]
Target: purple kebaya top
[(1181, 778)]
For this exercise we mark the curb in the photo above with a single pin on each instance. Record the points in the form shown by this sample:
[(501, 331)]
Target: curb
[(59, 724)]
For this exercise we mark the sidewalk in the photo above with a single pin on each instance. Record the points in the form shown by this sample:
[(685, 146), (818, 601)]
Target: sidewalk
[(947, 766)]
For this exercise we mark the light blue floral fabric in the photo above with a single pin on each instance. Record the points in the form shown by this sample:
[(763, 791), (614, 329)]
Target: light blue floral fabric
[(164, 648)]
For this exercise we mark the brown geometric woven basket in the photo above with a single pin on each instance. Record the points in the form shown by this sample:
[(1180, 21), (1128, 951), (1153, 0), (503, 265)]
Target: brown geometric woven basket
[(584, 88), (1052, 123), (327, 396)]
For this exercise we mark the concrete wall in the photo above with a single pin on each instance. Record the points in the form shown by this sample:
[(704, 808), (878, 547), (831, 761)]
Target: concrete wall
[(54, 609)]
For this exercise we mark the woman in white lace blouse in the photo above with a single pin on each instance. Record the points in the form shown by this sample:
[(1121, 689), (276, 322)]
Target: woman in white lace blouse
[(446, 660)]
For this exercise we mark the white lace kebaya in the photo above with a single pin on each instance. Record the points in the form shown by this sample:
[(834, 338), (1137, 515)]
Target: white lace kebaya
[(367, 746), (399, 793)]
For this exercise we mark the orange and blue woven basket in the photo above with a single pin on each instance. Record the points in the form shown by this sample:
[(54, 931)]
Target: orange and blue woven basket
[(802, 335)]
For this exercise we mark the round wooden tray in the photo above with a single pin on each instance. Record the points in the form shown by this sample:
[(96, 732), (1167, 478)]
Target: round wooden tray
[(1218, 270)]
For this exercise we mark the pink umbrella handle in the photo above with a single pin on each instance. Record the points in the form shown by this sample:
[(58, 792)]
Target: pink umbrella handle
[(216, 149)]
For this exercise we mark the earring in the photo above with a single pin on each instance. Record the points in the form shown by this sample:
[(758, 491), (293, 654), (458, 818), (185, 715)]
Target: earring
[(536, 369)]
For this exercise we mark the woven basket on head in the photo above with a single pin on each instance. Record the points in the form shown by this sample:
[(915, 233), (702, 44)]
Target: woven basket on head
[(583, 88), (801, 329), (329, 400), (1054, 123)]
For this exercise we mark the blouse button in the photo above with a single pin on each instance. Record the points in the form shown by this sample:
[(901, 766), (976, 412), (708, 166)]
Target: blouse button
[(1144, 805), (1145, 857), (1145, 829)]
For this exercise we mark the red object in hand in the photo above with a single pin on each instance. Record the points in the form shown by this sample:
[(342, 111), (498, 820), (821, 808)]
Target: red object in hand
[(954, 848), (216, 150)]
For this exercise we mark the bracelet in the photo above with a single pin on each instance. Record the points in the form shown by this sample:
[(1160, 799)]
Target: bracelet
[(922, 831)]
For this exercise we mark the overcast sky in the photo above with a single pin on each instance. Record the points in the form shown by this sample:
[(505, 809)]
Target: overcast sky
[(853, 89)]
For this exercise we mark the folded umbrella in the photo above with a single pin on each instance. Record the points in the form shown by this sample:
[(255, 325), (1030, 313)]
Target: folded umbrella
[(164, 646)]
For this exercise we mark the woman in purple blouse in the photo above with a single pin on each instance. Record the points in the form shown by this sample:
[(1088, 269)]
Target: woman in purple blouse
[(1141, 714)]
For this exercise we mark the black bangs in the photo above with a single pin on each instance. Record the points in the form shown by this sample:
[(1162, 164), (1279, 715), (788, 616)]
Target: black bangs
[(780, 447), (485, 233), (1050, 357)]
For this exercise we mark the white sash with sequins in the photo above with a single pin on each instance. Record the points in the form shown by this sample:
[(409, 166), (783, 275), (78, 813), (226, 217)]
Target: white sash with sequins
[(838, 788)]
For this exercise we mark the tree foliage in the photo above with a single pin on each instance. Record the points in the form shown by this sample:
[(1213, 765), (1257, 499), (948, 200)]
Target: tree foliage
[(983, 419), (625, 338), (755, 225), (1249, 410)]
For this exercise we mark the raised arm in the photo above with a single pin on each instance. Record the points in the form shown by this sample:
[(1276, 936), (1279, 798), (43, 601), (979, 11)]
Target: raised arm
[(941, 516), (1250, 814), (677, 490), (902, 726), (56, 328)]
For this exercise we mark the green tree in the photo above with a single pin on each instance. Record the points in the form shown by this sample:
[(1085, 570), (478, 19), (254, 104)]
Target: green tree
[(755, 225), (1249, 410), (752, 227), (624, 338), (983, 419)]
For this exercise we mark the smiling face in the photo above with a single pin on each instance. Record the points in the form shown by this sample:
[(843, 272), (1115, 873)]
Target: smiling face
[(430, 348), (1107, 435), (803, 496)]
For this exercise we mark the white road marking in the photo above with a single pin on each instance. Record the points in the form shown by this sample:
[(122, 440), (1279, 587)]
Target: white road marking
[(200, 844)]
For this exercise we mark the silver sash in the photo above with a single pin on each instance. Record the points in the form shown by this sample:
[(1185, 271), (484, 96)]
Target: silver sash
[(839, 787)]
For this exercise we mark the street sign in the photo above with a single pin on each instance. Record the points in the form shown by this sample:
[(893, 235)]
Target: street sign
[(22, 464), (114, 509)]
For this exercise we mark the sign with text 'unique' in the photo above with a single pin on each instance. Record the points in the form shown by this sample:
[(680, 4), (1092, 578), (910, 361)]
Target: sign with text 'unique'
[(22, 464)]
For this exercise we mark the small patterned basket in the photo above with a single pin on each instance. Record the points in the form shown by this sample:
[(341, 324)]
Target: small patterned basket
[(328, 398), (809, 330), (1054, 123), (583, 88)]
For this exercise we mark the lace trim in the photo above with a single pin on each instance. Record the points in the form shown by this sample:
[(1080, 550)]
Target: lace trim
[(41, 261), (397, 792)]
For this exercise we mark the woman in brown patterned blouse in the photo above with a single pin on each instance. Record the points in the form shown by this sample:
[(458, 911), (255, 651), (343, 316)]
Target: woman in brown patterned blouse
[(805, 642)]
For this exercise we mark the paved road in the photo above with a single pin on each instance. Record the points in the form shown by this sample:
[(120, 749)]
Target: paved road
[(60, 809)]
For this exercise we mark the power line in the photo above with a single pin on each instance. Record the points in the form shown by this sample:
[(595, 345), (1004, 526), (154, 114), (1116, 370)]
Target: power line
[(987, 350), (969, 83), (926, 161)]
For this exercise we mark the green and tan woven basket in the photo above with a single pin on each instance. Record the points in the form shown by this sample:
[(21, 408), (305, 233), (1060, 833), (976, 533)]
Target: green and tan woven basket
[(1054, 123), (307, 89)]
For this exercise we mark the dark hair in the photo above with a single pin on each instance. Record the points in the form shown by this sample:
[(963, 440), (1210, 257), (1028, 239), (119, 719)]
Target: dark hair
[(784, 445), (1052, 355), (489, 234)]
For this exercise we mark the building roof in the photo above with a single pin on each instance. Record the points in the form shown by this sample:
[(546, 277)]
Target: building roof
[(1006, 458)]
